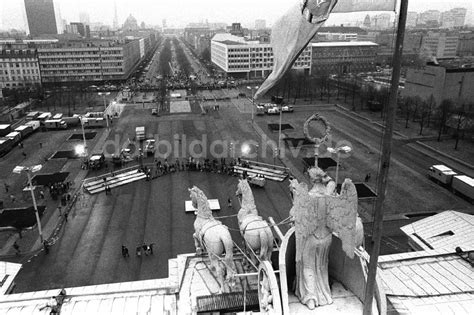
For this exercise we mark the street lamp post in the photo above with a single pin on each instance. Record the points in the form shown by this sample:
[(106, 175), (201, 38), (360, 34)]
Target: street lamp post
[(257, 151), (28, 171), (279, 130), (251, 88), (104, 94), (345, 149), (83, 136)]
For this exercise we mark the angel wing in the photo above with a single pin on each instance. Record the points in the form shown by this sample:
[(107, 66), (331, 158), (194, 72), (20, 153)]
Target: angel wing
[(304, 216), (342, 216)]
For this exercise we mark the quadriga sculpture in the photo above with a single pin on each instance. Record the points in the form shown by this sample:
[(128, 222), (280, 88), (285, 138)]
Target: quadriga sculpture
[(317, 213), (213, 237), (256, 231)]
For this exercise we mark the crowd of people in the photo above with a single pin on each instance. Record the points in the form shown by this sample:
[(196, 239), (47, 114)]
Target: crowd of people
[(163, 167)]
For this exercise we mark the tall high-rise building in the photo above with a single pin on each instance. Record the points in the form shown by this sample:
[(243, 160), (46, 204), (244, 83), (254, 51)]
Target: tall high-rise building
[(260, 24), (41, 17)]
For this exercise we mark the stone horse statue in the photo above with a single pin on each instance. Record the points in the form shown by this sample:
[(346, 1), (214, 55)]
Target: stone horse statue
[(256, 231), (213, 237)]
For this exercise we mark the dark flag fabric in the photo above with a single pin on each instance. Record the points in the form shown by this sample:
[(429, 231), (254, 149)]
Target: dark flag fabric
[(294, 30)]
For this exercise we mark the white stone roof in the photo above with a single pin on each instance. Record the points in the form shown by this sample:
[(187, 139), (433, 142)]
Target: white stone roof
[(8, 272), (428, 282), (446, 230), (138, 297)]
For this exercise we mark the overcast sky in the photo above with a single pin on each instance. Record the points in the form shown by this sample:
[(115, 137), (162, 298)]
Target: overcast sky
[(180, 12)]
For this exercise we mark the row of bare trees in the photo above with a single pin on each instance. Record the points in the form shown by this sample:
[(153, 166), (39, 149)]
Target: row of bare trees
[(444, 116)]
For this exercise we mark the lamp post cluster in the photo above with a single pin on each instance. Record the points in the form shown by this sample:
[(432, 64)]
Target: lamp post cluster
[(252, 89), (104, 94), (29, 170)]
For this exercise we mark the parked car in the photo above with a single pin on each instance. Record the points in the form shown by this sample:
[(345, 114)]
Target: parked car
[(256, 180), (154, 111), (287, 108), (149, 146), (96, 161), (273, 110)]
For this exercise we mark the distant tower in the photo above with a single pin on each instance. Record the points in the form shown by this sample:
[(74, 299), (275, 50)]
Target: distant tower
[(115, 23), (164, 23), (367, 21)]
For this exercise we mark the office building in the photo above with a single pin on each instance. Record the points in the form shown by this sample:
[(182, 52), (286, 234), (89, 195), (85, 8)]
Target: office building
[(41, 17), (343, 57), (443, 82), (339, 33), (79, 29), (19, 67), (249, 59), (440, 45), (430, 16)]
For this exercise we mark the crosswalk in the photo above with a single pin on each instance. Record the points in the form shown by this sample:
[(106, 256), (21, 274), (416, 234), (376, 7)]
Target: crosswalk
[(274, 174), (98, 185)]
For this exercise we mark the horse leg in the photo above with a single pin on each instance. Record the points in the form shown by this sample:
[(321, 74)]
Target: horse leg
[(215, 265), (263, 245), (197, 244)]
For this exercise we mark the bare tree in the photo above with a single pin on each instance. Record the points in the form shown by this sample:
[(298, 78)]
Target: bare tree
[(460, 122), (424, 112), (442, 114)]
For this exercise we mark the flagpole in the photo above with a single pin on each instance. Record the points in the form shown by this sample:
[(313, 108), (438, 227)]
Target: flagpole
[(385, 161)]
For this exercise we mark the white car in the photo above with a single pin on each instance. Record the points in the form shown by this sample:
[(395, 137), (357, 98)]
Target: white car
[(287, 108), (273, 110), (149, 146)]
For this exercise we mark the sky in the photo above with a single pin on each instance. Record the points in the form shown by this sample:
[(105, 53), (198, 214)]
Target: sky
[(180, 12)]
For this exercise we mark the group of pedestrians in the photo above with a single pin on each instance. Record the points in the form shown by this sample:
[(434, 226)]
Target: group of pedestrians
[(144, 249)]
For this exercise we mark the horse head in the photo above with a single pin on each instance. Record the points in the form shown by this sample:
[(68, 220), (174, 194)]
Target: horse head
[(199, 201), (248, 202)]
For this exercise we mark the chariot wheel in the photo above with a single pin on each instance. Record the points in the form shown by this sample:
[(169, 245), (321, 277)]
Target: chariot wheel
[(268, 290)]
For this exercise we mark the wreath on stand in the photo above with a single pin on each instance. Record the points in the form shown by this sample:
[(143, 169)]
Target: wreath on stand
[(316, 118)]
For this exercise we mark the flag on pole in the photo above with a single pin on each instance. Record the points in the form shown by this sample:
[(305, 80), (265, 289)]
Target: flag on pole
[(293, 31)]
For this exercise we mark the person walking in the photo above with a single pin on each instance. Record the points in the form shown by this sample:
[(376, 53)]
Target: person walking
[(229, 202), (12, 198), (7, 187), (16, 247)]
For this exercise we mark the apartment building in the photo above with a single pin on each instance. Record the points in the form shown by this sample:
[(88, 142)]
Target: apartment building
[(88, 61), (19, 67), (440, 45)]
